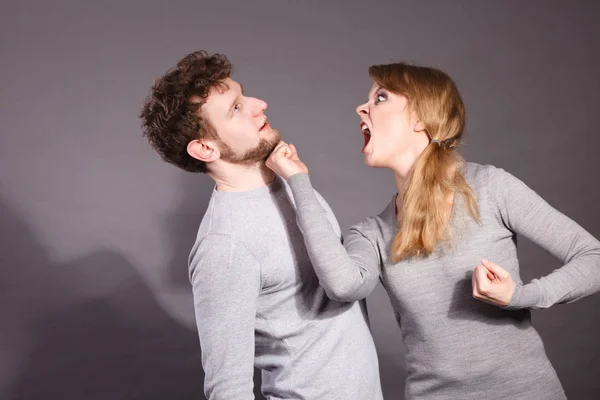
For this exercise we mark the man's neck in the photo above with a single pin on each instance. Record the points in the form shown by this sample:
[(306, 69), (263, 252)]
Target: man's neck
[(239, 178)]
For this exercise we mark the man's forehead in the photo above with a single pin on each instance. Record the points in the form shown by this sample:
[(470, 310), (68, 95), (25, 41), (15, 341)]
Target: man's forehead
[(224, 90), (222, 87)]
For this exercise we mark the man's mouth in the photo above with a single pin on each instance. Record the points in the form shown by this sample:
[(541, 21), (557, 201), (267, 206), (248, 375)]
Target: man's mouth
[(366, 134), (265, 126)]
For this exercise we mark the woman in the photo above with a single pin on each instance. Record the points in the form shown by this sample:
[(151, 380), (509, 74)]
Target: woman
[(465, 320)]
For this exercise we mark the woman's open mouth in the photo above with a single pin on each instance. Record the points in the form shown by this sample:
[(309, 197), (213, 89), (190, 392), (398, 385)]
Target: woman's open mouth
[(366, 135)]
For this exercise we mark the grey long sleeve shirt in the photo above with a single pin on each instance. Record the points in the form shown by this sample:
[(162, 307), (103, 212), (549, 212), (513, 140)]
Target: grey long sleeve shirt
[(459, 347), (258, 303)]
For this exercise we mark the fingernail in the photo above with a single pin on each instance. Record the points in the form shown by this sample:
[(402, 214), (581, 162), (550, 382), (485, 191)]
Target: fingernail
[(483, 260)]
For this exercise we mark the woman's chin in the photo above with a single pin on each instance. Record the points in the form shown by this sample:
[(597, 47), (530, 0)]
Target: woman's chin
[(369, 161), (373, 162)]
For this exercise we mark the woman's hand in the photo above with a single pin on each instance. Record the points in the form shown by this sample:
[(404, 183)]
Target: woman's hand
[(492, 284), (284, 161)]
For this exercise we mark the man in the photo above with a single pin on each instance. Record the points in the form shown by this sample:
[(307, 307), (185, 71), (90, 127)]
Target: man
[(256, 297)]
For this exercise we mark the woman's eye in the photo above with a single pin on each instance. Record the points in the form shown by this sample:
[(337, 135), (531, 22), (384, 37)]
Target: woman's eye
[(236, 108), (379, 98)]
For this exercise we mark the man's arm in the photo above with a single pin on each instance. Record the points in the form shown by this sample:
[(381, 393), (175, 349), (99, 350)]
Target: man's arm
[(226, 283)]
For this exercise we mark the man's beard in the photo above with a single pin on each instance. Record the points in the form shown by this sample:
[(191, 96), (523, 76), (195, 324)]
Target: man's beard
[(254, 156)]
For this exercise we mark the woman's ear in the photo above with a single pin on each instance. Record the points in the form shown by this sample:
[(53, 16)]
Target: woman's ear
[(419, 127)]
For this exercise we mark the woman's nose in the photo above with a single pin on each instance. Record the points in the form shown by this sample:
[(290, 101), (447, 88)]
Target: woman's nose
[(362, 109)]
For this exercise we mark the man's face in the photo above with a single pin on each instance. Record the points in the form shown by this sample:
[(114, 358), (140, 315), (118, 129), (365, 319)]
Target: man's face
[(244, 135)]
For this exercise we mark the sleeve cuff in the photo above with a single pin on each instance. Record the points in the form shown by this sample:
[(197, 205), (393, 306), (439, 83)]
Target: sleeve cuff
[(525, 296)]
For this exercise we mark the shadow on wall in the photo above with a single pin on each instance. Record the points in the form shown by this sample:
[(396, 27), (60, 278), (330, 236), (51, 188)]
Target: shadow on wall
[(86, 329)]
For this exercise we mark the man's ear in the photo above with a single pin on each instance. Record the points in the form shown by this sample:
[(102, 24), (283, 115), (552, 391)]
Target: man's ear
[(203, 150)]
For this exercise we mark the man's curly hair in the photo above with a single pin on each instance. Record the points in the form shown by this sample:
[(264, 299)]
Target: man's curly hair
[(170, 115)]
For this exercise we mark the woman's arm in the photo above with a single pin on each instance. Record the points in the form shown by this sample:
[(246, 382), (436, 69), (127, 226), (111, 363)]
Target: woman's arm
[(346, 273), (523, 211)]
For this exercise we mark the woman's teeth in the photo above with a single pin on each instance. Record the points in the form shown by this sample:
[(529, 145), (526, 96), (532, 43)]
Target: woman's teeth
[(366, 135), (365, 129)]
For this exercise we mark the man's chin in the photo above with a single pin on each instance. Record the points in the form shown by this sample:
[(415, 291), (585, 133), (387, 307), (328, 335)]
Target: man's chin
[(259, 154), (274, 136), (270, 143)]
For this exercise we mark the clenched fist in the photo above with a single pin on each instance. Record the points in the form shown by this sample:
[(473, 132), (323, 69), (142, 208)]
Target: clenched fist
[(492, 284), (284, 161)]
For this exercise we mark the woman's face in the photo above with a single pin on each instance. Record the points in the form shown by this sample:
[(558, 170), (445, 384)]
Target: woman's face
[(391, 130)]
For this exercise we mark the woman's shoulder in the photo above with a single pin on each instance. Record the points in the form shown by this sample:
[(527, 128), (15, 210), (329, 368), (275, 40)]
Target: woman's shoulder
[(478, 175), (493, 183)]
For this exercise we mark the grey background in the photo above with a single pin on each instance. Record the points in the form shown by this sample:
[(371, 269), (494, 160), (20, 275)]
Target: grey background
[(95, 230)]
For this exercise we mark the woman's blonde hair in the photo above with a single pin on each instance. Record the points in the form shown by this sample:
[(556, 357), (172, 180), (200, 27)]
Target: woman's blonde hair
[(438, 172)]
